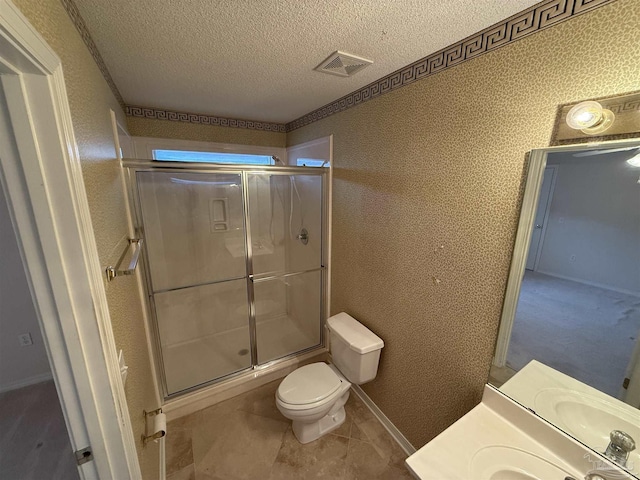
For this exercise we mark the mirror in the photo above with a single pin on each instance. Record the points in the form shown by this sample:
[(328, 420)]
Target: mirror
[(568, 346)]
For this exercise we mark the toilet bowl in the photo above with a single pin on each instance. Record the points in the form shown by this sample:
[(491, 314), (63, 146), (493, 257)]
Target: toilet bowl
[(313, 396)]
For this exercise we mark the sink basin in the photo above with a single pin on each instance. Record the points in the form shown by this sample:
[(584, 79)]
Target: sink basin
[(500, 440), (498, 462), (588, 418)]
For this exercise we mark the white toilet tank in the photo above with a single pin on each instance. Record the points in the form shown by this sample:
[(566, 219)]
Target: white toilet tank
[(354, 348)]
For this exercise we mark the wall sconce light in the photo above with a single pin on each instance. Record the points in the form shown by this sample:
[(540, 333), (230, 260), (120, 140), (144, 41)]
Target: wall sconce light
[(589, 117)]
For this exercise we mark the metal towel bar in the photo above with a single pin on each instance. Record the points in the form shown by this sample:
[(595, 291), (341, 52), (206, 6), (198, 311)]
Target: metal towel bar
[(113, 272)]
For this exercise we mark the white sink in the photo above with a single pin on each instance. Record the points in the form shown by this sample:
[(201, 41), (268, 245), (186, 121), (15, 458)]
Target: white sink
[(499, 440), (588, 418), (498, 462)]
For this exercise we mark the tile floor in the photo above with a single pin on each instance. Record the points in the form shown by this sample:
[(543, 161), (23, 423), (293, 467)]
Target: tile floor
[(247, 438), (34, 443)]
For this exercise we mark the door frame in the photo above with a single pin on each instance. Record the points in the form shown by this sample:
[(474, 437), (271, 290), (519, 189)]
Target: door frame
[(545, 217), (42, 177), (631, 394)]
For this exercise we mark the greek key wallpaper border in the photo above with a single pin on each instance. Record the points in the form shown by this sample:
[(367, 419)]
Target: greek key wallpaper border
[(540, 16), (81, 27), (160, 114), (536, 18)]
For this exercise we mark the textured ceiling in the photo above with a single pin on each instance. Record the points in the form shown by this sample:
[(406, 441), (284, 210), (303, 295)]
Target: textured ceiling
[(254, 59)]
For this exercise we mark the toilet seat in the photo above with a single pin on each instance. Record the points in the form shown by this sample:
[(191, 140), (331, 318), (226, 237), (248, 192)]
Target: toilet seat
[(309, 387)]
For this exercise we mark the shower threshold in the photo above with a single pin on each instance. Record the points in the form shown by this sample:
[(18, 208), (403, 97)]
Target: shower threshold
[(241, 382), (210, 357)]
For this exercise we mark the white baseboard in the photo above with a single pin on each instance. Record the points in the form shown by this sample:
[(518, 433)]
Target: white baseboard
[(391, 428), (591, 284), (25, 382)]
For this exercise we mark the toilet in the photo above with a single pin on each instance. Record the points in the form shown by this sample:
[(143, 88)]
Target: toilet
[(313, 396)]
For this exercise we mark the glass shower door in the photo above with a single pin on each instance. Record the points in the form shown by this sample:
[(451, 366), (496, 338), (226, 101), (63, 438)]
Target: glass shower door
[(285, 217), (195, 240)]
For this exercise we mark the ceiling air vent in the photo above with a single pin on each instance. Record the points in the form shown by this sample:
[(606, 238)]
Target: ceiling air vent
[(343, 64)]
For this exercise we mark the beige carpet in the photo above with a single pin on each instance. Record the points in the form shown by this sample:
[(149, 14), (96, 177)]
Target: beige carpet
[(586, 332), (34, 444)]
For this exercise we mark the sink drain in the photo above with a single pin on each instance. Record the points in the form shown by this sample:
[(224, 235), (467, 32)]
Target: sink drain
[(243, 352)]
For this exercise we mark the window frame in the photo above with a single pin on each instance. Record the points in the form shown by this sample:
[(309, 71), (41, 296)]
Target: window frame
[(143, 148)]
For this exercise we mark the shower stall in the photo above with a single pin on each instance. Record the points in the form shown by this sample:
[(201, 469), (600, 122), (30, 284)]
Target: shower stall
[(234, 261)]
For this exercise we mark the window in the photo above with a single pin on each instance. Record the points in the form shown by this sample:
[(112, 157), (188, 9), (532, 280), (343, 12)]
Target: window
[(212, 157), (311, 162)]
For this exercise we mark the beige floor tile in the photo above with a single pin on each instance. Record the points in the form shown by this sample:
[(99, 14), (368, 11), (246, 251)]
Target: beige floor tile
[(185, 423), (262, 402), (204, 476), (217, 410), (357, 433), (344, 430), (364, 462), (321, 459), (357, 410), (393, 472), (237, 445), (246, 438), (384, 444), (187, 473), (179, 450)]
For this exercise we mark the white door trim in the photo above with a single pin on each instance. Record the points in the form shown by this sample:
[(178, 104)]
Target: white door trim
[(545, 217), (631, 394), (45, 189), (535, 175)]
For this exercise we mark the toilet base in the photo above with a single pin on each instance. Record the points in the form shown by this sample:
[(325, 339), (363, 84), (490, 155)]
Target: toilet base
[(307, 424), (308, 432)]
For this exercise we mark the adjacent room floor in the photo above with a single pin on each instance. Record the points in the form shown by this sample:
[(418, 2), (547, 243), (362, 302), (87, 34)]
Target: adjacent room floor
[(34, 444), (247, 438), (583, 331)]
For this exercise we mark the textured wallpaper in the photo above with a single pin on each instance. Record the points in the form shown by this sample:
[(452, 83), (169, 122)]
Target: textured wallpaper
[(426, 198), (147, 127), (90, 99), (427, 186)]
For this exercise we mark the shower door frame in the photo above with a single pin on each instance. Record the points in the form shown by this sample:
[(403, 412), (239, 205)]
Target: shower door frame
[(132, 166)]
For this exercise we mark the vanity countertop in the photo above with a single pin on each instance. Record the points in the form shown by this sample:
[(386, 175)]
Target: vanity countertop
[(576, 408), (526, 385)]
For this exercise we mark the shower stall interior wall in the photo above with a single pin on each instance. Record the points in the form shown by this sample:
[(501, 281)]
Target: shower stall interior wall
[(234, 262)]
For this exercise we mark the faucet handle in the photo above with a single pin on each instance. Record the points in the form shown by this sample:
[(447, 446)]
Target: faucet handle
[(622, 440), (594, 476)]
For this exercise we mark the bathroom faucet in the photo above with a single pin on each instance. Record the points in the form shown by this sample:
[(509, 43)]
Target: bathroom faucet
[(595, 475), (620, 446)]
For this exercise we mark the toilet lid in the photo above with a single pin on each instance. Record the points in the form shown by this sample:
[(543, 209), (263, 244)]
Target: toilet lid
[(308, 384)]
